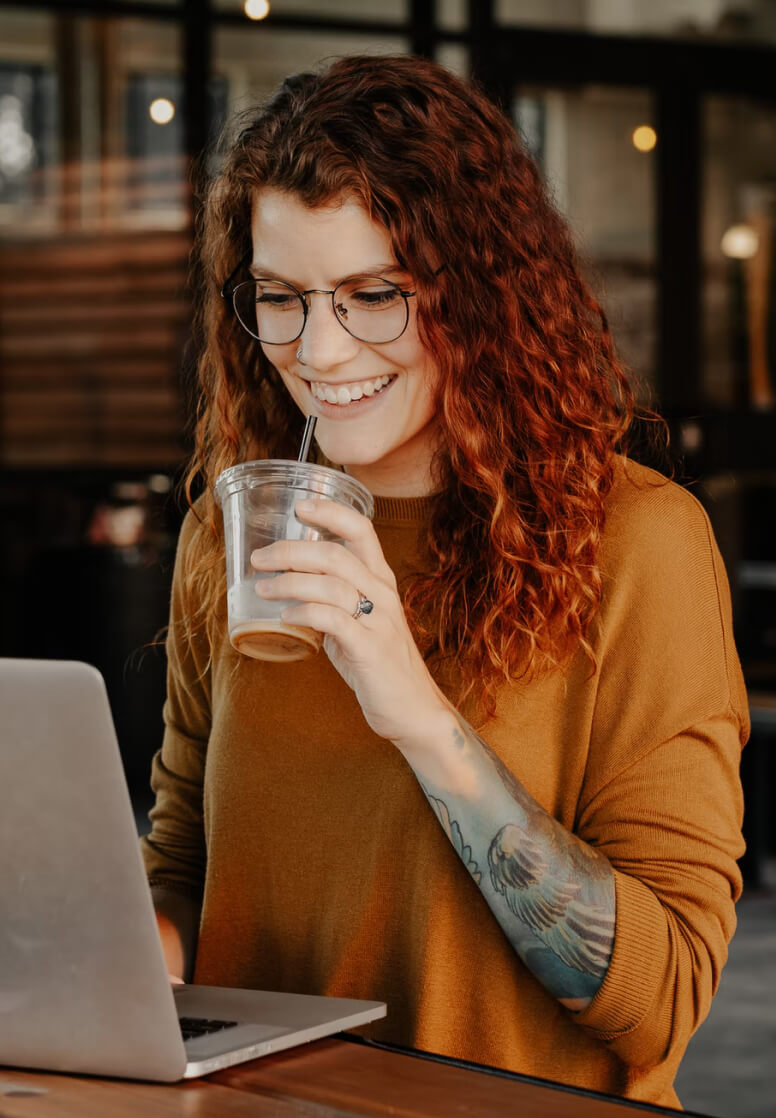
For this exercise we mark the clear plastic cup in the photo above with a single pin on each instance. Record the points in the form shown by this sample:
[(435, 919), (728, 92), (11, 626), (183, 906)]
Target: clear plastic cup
[(257, 500)]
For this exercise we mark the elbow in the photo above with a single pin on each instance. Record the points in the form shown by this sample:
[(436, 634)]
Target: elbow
[(686, 983)]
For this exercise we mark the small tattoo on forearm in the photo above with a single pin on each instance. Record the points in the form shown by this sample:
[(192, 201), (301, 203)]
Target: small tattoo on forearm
[(453, 832)]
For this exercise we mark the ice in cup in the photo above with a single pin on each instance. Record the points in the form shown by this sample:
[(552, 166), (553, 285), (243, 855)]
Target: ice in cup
[(258, 501)]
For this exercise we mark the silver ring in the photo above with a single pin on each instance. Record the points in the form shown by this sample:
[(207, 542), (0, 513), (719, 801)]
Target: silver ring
[(299, 354), (364, 606)]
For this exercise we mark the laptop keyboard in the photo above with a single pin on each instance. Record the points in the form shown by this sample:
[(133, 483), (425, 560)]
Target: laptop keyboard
[(192, 1027)]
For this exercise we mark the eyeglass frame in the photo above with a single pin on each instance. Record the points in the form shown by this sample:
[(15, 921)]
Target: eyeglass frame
[(228, 294)]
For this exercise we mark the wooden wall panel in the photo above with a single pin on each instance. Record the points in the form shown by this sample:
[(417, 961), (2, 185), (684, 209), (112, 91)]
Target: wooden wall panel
[(91, 335)]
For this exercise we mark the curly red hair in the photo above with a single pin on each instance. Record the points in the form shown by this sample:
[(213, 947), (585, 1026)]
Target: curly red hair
[(532, 401)]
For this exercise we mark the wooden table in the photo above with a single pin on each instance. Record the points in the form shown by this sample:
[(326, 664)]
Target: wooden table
[(333, 1078)]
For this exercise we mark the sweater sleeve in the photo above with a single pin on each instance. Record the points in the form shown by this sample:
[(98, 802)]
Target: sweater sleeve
[(662, 796), (174, 851)]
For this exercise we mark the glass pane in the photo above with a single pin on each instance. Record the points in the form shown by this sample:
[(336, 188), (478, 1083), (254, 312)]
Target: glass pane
[(94, 227), (91, 124), (147, 87), (584, 142), (455, 58), (252, 65), (452, 14), (692, 19), (29, 118), (739, 229), (387, 11)]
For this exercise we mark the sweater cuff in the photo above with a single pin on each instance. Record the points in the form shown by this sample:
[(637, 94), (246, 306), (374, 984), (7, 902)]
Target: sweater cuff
[(639, 958)]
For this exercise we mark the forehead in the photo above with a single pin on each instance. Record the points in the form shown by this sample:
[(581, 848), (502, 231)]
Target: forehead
[(340, 237)]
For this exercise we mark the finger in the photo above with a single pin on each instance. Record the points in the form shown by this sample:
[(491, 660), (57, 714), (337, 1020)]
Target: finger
[(348, 632), (318, 557), (351, 526), (325, 589)]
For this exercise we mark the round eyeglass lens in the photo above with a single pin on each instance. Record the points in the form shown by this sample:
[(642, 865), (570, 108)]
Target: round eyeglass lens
[(270, 310), (370, 308)]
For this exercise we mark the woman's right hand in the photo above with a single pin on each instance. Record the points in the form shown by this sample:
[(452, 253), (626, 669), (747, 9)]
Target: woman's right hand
[(172, 947)]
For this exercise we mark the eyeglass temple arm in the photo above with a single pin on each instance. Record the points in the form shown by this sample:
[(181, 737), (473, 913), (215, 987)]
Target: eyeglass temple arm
[(226, 289)]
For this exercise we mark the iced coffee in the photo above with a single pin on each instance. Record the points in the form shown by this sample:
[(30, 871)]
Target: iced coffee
[(258, 501)]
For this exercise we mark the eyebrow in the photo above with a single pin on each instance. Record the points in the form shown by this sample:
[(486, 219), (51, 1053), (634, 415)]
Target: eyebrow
[(259, 271)]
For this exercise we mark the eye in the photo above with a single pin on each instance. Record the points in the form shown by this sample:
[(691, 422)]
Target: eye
[(276, 296), (267, 299), (372, 296), (376, 298)]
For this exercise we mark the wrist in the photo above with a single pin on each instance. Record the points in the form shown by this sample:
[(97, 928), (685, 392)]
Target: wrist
[(426, 730), (437, 750)]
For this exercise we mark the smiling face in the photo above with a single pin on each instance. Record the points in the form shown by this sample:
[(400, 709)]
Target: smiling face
[(374, 402)]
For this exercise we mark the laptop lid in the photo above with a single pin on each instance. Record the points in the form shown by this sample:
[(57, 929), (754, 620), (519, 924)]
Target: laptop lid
[(83, 980)]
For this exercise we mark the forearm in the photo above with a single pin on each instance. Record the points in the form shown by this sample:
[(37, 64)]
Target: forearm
[(552, 894)]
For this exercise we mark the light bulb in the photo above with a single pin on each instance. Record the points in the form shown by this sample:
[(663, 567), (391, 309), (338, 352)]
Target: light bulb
[(161, 110), (740, 242), (256, 9), (644, 137)]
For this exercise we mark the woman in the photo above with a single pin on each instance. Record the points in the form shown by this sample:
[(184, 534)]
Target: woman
[(505, 800)]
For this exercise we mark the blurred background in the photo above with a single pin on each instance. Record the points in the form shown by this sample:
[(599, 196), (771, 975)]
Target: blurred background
[(655, 126)]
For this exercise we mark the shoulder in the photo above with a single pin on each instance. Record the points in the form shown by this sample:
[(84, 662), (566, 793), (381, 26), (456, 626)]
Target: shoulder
[(196, 534), (198, 554), (195, 518), (657, 541), (646, 509), (656, 532), (665, 617), (188, 648)]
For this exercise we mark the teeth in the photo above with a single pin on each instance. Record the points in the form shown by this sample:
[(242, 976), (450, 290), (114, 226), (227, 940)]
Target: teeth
[(343, 395)]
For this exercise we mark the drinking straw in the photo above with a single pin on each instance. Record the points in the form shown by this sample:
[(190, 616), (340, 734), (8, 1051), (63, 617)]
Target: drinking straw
[(307, 438)]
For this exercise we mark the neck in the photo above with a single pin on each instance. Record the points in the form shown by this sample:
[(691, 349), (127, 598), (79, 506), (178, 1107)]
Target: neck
[(405, 473), (385, 483)]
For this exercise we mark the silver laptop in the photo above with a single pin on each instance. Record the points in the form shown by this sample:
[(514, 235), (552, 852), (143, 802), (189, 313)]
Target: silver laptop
[(83, 981)]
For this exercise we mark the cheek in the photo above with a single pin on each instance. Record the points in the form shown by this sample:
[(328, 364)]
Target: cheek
[(422, 400), (428, 375), (281, 359), (414, 358)]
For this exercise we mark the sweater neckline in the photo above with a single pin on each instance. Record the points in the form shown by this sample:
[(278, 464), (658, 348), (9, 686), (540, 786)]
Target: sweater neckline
[(401, 510)]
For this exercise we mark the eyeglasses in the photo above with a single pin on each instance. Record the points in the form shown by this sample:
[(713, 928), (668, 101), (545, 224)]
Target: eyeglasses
[(370, 308)]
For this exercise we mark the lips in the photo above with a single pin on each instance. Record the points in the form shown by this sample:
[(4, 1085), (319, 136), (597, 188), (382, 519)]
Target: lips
[(355, 407)]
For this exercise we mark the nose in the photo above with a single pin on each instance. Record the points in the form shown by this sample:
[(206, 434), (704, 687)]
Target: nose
[(325, 343)]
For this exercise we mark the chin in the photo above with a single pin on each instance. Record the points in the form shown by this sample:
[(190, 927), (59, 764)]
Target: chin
[(346, 456)]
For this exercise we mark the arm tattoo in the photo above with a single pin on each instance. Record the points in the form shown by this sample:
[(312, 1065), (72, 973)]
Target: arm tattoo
[(453, 832), (552, 894)]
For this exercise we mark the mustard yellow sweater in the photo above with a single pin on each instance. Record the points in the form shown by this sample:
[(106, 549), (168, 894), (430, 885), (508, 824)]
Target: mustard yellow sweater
[(321, 868)]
